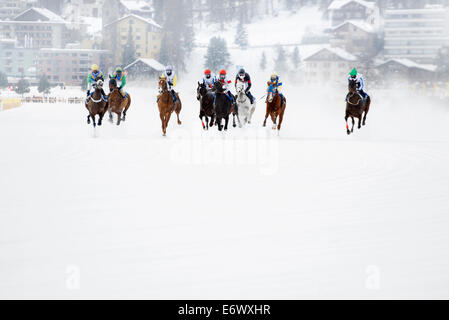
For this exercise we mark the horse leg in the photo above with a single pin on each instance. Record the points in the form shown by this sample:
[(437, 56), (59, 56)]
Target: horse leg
[(119, 118), (93, 120), (238, 119), (226, 122), (353, 122), (161, 115), (88, 119), (273, 118), (212, 120), (207, 122), (218, 123), (368, 102), (281, 117), (266, 117), (251, 113), (360, 121), (347, 125), (178, 111), (126, 109)]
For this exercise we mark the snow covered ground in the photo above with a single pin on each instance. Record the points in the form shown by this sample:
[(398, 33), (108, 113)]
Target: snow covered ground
[(311, 213)]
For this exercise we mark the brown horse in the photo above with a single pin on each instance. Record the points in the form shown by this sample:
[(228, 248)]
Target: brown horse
[(165, 104), (275, 108), (356, 106), (96, 104), (117, 103)]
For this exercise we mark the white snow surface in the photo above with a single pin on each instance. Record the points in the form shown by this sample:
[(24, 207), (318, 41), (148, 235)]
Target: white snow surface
[(311, 213)]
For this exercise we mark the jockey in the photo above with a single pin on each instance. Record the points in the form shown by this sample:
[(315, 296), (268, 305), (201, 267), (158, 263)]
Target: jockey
[(244, 77), (171, 79), (225, 82), (275, 85), (208, 79), (121, 80), (355, 76), (92, 79)]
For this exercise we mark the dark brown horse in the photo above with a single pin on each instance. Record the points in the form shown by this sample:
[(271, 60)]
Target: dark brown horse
[(96, 104), (356, 107), (165, 104), (206, 105), (275, 108), (117, 103)]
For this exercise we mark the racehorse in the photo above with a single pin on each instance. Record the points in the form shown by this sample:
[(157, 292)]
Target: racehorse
[(222, 106), (206, 105), (117, 103), (165, 104), (356, 106), (275, 107), (96, 104), (245, 108)]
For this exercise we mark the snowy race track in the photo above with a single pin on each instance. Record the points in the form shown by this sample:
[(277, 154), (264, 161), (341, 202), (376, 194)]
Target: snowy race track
[(311, 213)]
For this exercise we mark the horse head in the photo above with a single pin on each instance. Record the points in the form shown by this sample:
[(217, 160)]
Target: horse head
[(99, 84), (162, 84), (112, 84), (240, 88), (218, 87), (352, 86), (201, 91)]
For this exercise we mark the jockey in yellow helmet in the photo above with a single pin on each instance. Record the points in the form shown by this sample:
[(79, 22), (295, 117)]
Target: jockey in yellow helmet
[(94, 75)]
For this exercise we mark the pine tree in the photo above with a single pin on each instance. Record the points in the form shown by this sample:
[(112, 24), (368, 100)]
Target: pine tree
[(3, 80), (129, 51), (263, 61), (217, 55), (442, 62), (84, 84), (179, 37), (241, 38), (23, 86), (280, 62), (44, 86), (296, 59)]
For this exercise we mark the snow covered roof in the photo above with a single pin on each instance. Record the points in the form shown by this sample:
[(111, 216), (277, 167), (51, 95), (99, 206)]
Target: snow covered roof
[(358, 24), (343, 54), (50, 15), (338, 4), (136, 5), (156, 65), (147, 20), (411, 64)]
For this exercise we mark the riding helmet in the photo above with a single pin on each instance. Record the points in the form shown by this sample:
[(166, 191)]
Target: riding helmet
[(118, 69), (274, 75), (207, 71), (242, 72), (222, 72), (94, 67), (353, 73)]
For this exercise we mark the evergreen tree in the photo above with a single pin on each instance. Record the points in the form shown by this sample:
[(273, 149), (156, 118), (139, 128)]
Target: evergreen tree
[(217, 55), (129, 51), (241, 38), (84, 84), (158, 6), (3, 80), (23, 86), (280, 62), (263, 61), (44, 85), (296, 59), (442, 62), (179, 37)]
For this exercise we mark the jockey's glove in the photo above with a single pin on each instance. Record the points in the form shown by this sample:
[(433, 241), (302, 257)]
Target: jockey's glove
[(170, 83), (88, 91)]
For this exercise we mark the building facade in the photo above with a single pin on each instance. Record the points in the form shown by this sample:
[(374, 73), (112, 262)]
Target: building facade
[(36, 28), (357, 37), (146, 35), (328, 65), (17, 62), (416, 34), (340, 11), (68, 66), (115, 9), (12, 8)]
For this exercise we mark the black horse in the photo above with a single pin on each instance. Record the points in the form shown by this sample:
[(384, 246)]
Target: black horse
[(222, 105), (356, 106), (206, 100)]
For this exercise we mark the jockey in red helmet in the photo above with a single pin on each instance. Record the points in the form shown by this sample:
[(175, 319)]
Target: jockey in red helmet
[(208, 79), (226, 82)]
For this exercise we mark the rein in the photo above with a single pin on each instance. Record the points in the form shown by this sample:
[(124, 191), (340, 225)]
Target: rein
[(358, 101)]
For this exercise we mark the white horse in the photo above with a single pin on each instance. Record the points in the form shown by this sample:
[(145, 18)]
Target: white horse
[(246, 109)]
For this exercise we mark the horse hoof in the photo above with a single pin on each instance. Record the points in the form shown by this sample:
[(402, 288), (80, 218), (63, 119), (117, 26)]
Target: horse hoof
[(88, 121), (349, 132), (179, 122), (234, 125), (123, 119)]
